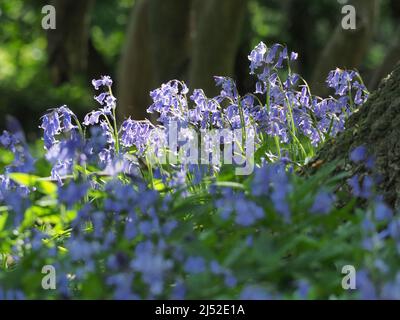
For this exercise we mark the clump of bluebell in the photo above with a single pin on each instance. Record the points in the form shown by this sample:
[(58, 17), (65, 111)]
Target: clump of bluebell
[(281, 109), (115, 225)]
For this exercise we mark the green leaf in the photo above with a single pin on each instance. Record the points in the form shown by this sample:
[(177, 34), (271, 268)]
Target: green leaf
[(43, 185), (3, 219), (228, 184), (24, 179)]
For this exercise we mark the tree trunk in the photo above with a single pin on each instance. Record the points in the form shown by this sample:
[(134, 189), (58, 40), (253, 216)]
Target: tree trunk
[(216, 37), (299, 31), (347, 48), (393, 55), (157, 50), (169, 36), (68, 44), (135, 74), (377, 126)]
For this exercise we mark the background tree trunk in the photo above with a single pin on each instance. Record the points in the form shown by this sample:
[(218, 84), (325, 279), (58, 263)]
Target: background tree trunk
[(376, 126), (391, 59), (393, 55), (170, 34), (68, 44), (157, 50), (185, 39), (347, 48), (135, 74), (299, 31), (216, 37)]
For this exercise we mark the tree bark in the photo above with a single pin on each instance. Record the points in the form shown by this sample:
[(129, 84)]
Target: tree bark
[(299, 31), (135, 74), (169, 36), (347, 48), (68, 44), (216, 38), (377, 126), (157, 50)]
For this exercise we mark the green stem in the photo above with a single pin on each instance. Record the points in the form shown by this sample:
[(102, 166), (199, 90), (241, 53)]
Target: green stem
[(116, 135)]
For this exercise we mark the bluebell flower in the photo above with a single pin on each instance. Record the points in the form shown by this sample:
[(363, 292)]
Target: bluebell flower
[(358, 154), (92, 118), (51, 126), (67, 115), (178, 291), (323, 203), (365, 189), (195, 265), (216, 268), (57, 121), (135, 133), (7, 140), (101, 97), (382, 211), (150, 262), (122, 283), (391, 290), (365, 286), (303, 289), (103, 81), (169, 226), (256, 56), (247, 212), (72, 193), (230, 280), (11, 294), (367, 225), (228, 86), (170, 102)]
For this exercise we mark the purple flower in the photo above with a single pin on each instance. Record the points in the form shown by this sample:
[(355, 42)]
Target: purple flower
[(135, 133), (359, 154), (51, 126), (364, 190), (303, 289), (256, 56), (228, 86), (101, 97), (365, 286), (170, 102), (150, 262), (72, 193), (247, 212), (67, 115), (195, 265), (323, 203), (382, 211), (92, 118), (104, 81)]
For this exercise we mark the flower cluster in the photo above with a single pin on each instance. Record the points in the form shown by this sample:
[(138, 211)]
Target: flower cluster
[(116, 224)]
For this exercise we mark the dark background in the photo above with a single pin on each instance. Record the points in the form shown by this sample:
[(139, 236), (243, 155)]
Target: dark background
[(142, 43)]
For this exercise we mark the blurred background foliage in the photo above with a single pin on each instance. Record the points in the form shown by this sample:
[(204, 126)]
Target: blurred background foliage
[(28, 86)]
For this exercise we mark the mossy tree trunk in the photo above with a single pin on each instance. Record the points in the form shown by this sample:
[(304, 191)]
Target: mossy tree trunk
[(376, 126)]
